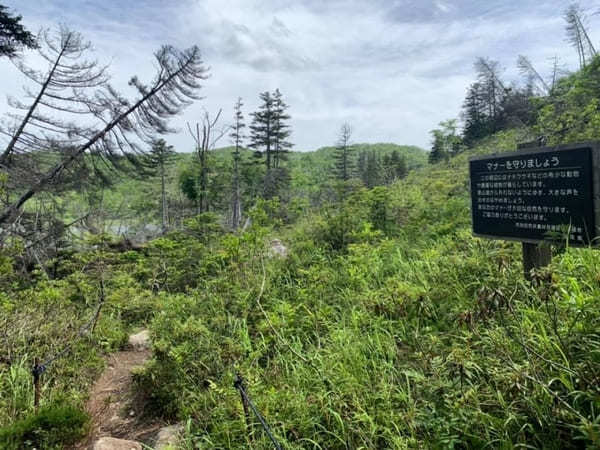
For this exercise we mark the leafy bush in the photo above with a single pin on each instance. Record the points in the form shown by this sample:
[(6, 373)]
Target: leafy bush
[(52, 427)]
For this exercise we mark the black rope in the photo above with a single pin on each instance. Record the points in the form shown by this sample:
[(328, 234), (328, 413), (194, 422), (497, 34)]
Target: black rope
[(39, 369), (238, 383)]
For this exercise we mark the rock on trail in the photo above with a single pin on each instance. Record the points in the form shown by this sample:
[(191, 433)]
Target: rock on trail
[(108, 443), (117, 415)]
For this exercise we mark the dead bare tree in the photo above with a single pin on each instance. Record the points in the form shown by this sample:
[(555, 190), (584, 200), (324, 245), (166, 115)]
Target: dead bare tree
[(533, 77), (577, 34), (205, 136), (75, 110), (557, 72)]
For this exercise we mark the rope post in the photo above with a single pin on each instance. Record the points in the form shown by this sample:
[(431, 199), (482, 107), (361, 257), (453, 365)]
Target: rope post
[(101, 303), (36, 372), (238, 383)]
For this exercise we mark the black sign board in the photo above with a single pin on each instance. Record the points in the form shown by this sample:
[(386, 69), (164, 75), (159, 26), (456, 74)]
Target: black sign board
[(534, 195)]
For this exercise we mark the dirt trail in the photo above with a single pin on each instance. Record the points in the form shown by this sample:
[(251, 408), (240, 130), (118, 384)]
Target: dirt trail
[(113, 409)]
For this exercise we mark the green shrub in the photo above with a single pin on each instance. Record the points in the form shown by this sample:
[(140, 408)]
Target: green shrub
[(52, 427)]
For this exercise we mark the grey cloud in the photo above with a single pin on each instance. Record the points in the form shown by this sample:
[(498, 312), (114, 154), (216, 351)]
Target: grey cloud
[(278, 28), (393, 68)]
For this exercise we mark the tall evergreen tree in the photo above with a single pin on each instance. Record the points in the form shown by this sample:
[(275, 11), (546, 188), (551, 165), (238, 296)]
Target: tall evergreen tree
[(476, 125), (237, 136), (13, 36), (281, 129), (344, 164), (268, 136), (158, 160), (491, 91), (361, 165), (483, 112), (396, 166), (262, 127), (373, 170), (369, 168), (491, 106), (438, 148)]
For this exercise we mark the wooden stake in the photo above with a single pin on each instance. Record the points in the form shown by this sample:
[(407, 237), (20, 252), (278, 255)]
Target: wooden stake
[(535, 257), (36, 384)]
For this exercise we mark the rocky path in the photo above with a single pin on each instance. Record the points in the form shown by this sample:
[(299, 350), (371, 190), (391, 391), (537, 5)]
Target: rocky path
[(117, 416)]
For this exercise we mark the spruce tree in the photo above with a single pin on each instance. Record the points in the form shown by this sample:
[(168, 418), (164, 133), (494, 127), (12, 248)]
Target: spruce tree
[(395, 166), (476, 123), (373, 170), (281, 129), (268, 136), (262, 135), (344, 164), (237, 137), (158, 160), (369, 168), (13, 36), (361, 164), (438, 151)]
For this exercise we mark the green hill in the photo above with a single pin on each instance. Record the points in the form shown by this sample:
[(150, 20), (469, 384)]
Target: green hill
[(384, 323), (388, 325)]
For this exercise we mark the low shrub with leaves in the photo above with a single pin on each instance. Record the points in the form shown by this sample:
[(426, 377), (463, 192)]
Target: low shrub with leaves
[(52, 427), (388, 325)]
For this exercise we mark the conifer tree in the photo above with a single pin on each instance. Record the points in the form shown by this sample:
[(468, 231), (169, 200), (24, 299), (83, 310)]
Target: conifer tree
[(394, 167), (438, 148), (237, 137), (262, 129), (476, 124), (369, 168), (13, 36), (373, 170), (158, 160), (268, 136), (76, 110), (577, 34), (361, 165), (281, 129), (344, 164)]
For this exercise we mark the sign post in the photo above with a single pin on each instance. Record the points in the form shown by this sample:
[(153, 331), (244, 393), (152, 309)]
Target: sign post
[(537, 196), (535, 257)]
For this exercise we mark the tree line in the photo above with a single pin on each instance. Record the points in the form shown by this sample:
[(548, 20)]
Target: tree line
[(72, 131), (492, 104)]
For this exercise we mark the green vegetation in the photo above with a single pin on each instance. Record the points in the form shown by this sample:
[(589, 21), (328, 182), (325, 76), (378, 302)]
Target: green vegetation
[(386, 324), (133, 202), (51, 427)]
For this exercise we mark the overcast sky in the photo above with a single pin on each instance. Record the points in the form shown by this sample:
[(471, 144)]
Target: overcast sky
[(393, 69)]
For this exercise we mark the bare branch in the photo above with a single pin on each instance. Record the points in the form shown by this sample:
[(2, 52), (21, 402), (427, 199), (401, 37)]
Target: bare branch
[(125, 124)]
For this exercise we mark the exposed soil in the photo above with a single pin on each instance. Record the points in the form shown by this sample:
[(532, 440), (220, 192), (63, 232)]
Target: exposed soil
[(114, 409)]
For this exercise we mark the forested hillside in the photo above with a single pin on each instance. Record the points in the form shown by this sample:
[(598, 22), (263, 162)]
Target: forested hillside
[(387, 326), (338, 295), (131, 206)]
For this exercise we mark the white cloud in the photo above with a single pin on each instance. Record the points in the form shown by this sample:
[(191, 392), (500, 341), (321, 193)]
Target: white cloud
[(442, 6), (392, 68)]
